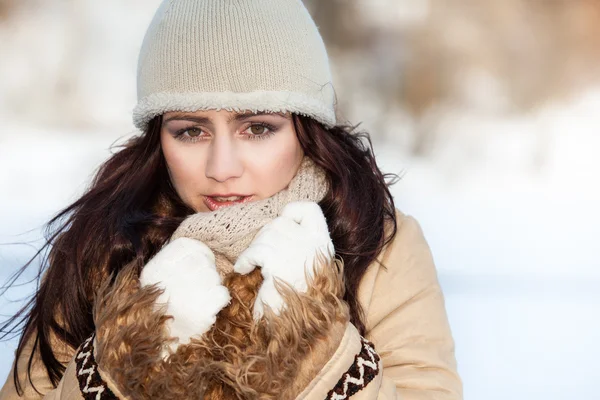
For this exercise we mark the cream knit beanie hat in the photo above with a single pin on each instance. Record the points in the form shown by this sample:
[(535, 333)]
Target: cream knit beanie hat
[(251, 55)]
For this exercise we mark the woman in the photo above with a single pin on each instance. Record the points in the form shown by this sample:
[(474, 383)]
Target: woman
[(244, 245)]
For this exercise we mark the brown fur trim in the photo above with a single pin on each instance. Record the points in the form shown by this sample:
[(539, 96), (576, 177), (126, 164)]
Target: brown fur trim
[(130, 338), (282, 353), (274, 358)]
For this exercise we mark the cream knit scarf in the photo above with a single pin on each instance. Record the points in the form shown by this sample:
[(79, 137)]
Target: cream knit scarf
[(230, 230)]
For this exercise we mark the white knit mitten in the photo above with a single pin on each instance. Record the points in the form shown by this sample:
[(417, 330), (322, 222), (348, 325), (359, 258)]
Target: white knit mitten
[(286, 248), (193, 292)]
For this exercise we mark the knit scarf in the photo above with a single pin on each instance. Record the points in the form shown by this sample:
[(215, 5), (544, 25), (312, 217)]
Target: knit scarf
[(230, 230)]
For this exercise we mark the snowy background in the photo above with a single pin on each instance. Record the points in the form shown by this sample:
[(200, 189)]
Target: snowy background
[(500, 170)]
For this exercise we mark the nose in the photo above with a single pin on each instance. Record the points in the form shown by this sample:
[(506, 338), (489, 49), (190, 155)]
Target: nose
[(223, 162)]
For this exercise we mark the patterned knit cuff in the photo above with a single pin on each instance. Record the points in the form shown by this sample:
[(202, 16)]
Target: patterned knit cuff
[(362, 371), (91, 384)]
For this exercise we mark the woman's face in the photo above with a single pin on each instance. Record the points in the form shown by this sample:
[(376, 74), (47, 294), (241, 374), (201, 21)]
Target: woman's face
[(220, 158)]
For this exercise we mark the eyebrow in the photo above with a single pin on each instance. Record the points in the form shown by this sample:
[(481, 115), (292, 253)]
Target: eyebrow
[(233, 118)]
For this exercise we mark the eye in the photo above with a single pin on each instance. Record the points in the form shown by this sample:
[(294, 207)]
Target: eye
[(191, 134), (260, 130)]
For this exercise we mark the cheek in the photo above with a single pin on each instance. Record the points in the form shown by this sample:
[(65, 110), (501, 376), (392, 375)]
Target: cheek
[(277, 163), (186, 173)]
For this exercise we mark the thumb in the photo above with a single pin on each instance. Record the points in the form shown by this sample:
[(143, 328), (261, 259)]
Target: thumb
[(307, 214), (254, 256)]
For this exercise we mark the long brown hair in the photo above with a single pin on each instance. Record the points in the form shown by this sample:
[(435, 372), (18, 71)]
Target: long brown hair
[(131, 209)]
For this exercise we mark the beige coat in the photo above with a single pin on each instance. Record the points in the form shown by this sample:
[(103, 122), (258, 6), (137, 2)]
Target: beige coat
[(405, 319)]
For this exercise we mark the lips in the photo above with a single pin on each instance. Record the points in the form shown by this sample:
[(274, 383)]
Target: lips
[(217, 202)]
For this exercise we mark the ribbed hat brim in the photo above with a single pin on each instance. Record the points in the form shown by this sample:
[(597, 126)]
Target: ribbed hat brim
[(258, 101)]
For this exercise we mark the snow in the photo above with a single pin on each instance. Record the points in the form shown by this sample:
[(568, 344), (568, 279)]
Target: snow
[(515, 244)]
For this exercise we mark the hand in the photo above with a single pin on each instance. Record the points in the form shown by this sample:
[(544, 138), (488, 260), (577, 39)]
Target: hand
[(286, 249), (192, 291)]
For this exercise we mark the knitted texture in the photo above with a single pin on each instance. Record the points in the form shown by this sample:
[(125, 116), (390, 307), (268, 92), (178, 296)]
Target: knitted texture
[(230, 230), (252, 55)]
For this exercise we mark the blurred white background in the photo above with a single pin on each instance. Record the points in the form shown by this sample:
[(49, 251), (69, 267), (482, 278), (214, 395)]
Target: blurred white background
[(489, 110)]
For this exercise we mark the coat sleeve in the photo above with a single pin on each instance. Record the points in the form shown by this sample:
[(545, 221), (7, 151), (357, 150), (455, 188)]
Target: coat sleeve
[(407, 321), (81, 365), (353, 371), (38, 386)]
